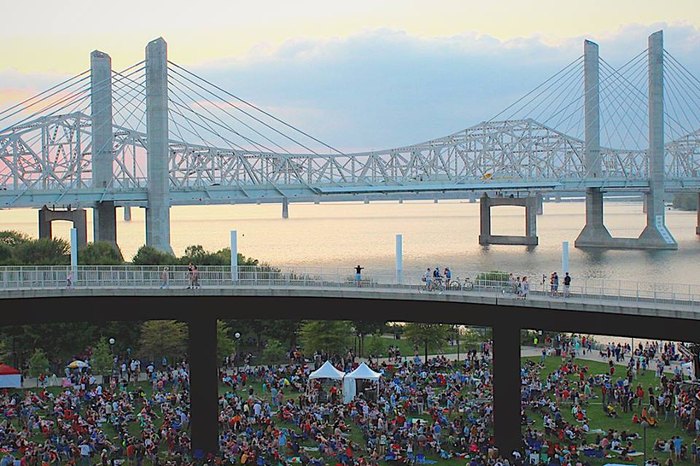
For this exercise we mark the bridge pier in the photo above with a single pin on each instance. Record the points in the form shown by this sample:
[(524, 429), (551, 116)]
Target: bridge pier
[(204, 386), (77, 217), (285, 207), (594, 233), (530, 204), (104, 213), (158, 210)]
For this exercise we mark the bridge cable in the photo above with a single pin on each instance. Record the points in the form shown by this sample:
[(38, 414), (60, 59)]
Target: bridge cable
[(260, 110)]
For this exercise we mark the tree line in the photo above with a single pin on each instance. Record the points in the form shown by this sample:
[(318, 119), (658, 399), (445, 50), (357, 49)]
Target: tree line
[(47, 348)]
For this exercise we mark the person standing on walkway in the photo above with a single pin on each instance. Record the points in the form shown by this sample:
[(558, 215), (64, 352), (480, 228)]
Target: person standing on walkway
[(164, 278), (567, 284), (358, 275)]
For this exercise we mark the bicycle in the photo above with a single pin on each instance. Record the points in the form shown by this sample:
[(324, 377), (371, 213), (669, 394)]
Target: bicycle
[(436, 284), (464, 285)]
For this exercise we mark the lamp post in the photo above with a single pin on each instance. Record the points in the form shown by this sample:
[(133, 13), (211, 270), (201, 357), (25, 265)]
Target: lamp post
[(237, 336), (645, 425), (111, 352)]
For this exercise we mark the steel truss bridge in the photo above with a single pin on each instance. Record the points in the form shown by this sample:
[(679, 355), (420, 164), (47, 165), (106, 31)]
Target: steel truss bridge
[(46, 149)]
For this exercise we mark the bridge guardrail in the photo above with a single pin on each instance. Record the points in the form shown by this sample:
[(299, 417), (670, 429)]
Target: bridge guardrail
[(136, 276)]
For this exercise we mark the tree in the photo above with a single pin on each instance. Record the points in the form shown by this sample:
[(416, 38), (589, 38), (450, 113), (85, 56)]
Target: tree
[(13, 238), (274, 352), (329, 336), (375, 345), (363, 328), (101, 360), (430, 336), (225, 346), (163, 338), (100, 253), (148, 255), (43, 251), (38, 364)]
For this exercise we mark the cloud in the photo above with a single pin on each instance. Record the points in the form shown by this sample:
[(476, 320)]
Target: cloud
[(386, 88)]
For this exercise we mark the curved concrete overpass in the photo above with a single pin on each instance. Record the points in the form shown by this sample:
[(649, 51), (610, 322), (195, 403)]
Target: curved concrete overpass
[(507, 315)]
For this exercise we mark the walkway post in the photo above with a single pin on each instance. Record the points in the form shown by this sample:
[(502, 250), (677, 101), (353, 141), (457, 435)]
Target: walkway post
[(74, 253), (564, 257), (234, 257), (399, 259)]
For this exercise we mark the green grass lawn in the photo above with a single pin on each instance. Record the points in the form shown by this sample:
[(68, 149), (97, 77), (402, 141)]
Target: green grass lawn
[(594, 411), (598, 419)]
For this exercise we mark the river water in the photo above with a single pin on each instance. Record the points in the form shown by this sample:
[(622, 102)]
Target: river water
[(342, 235)]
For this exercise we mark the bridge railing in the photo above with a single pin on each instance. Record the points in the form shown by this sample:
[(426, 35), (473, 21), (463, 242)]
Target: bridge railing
[(137, 276)]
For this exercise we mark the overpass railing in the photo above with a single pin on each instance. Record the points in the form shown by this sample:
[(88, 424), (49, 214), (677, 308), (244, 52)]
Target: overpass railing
[(137, 276)]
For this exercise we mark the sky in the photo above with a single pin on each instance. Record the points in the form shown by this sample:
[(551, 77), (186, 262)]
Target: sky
[(358, 75)]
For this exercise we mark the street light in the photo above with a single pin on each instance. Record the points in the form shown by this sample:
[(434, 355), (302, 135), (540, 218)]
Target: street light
[(236, 335), (111, 352)]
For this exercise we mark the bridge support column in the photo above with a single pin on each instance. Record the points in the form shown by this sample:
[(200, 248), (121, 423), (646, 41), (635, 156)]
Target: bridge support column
[(594, 233), (203, 386), (285, 208), (656, 235), (158, 209), (697, 221), (77, 217), (127, 213), (540, 204), (530, 204), (506, 386), (104, 213)]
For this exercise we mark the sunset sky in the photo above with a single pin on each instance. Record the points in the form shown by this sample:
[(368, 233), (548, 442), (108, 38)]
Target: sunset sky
[(362, 74)]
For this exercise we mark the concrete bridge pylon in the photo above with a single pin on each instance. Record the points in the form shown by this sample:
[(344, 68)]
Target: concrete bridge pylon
[(158, 210), (594, 233), (104, 213)]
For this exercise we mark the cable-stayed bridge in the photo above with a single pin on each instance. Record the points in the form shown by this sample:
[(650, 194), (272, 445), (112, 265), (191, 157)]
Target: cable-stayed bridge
[(156, 135)]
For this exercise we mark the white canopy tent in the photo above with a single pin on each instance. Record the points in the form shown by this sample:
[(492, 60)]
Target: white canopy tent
[(327, 371), (363, 372)]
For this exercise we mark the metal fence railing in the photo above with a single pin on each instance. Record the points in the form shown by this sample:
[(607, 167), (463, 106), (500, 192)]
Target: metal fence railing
[(136, 276)]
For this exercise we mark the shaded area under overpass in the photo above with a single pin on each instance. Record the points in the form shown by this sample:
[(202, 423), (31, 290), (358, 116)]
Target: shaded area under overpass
[(202, 311)]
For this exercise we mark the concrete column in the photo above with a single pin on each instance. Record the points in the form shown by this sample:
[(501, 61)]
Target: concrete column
[(234, 256), (158, 210), (104, 213), (285, 208), (45, 230), (485, 219), (76, 216), (594, 232), (531, 219), (540, 204), (591, 76), (697, 222), (203, 385), (506, 386), (399, 259), (74, 253), (656, 235), (127, 213)]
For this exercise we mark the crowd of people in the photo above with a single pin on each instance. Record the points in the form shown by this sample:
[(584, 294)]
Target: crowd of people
[(422, 412)]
